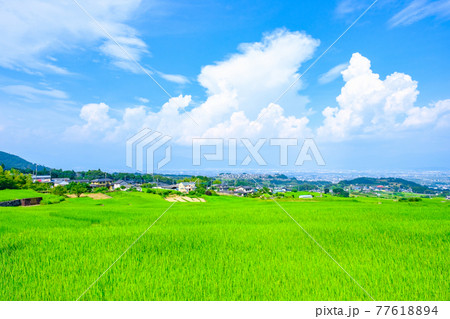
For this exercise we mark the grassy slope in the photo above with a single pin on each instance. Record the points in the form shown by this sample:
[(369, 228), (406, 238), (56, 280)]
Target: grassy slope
[(11, 194), (226, 249)]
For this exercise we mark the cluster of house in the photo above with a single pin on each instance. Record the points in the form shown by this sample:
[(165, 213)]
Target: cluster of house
[(238, 191), (245, 190), (221, 189), (95, 183), (183, 187), (186, 187), (111, 184)]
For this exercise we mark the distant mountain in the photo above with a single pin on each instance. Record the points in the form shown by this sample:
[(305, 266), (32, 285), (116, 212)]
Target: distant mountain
[(14, 161)]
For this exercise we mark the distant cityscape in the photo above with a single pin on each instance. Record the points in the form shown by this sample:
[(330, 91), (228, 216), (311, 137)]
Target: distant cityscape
[(252, 182), (246, 184)]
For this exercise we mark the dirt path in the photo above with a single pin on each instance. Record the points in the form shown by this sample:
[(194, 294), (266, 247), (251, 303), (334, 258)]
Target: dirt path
[(184, 199), (93, 196)]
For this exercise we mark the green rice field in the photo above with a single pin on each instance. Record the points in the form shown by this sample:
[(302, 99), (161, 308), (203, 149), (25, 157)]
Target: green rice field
[(227, 248)]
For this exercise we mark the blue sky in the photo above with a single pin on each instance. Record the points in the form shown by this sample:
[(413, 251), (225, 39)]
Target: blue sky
[(378, 99)]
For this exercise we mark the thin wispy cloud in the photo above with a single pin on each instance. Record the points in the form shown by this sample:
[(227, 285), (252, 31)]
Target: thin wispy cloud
[(346, 7), (421, 9), (35, 31), (332, 74), (33, 94), (143, 100), (175, 78)]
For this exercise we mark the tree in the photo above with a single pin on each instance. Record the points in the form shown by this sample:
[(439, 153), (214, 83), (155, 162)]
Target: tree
[(59, 173), (305, 187), (13, 179), (59, 190), (78, 189), (100, 190), (40, 187), (5, 183), (217, 182), (339, 191)]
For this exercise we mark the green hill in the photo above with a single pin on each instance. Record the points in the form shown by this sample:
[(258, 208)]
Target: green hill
[(14, 161), (390, 181)]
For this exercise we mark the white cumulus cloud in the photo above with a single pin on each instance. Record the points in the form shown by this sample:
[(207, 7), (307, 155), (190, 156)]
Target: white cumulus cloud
[(437, 114), (98, 123), (239, 89), (261, 71), (238, 101), (371, 106)]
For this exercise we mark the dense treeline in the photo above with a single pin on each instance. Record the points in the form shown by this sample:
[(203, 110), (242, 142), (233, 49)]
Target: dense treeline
[(395, 183), (14, 179)]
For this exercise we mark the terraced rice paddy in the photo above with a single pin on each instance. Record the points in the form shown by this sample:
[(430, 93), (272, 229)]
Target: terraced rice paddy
[(226, 248)]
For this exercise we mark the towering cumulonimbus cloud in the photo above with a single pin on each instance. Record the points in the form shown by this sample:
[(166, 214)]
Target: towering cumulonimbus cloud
[(240, 90), (370, 106)]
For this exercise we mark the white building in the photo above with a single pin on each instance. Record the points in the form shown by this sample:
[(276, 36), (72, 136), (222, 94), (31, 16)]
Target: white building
[(60, 181), (118, 185), (186, 187), (42, 178)]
